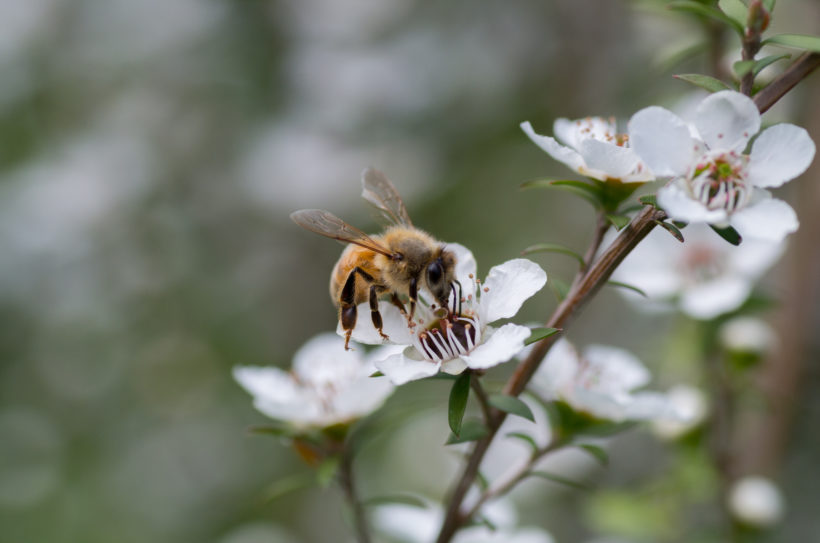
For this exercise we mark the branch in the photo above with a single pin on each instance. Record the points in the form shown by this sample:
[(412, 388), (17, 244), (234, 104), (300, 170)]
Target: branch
[(774, 91), (347, 482), (583, 288), (481, 395)]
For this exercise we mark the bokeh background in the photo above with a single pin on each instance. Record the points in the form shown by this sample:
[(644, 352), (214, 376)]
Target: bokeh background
[(150, 153)]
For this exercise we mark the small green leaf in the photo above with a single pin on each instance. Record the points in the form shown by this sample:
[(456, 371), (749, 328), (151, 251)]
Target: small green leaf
[(707, 11), (704, 81), (769, 5), (553, 248), (618, 221), (735, 9), (526, 439), (285, 486), (559, 288), (327, 471), (277, 430), (742, 67), (598, 452), (765, 61), (729, 234), (471, 430), (458, 402), (560, 480), (512, 405), (377, 374), (586, 191), (796, 41), (672, 229), (540, 333), (649, 200), (627, 286)]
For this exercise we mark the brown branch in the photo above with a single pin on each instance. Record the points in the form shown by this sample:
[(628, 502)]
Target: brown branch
[(774, 91), (481, 395), (583, 288), (348, 484)]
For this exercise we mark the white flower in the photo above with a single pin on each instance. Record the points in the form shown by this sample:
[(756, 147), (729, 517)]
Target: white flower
[(691, 405), (599, 382), (463, 339), (411, 524), (748, 335), (756, 501), (326, 386), (705, 274), (712, 180), (593, 148)]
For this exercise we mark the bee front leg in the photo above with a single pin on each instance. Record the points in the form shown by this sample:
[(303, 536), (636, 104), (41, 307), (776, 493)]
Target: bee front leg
[(414, 294)]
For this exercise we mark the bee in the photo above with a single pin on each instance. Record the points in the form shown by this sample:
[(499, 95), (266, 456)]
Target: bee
[(399, 262)]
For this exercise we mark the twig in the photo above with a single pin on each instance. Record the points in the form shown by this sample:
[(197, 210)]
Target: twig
[(774, 91), (601, 226), (348, 484), (481, 395)]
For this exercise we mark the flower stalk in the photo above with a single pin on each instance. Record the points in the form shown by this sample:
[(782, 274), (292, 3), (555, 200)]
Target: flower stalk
[(347, 482)]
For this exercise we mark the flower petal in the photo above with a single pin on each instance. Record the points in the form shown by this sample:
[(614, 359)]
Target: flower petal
[(501, 346), (662, 141), (508, 286), (617, 369), (617, 162), (708, 300), (406, 366), (557, 372), (675, 200), (770, 219), (465, 264), (568, 156), (779, 154), (572, 133), (727, 120), (323, 359), (361, 397)]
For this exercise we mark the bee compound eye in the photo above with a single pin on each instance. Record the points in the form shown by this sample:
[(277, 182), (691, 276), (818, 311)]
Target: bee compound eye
[(434, 272)]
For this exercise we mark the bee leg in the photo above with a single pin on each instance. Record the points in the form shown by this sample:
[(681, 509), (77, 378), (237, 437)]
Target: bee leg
[(394, 299), (347, 306), (374, 311), (414, 294)]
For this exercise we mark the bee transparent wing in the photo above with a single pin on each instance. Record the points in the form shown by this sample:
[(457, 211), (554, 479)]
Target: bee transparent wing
[(327, 224), (379, 191)]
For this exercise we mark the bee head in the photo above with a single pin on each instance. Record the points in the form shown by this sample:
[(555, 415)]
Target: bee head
[(439, 276)]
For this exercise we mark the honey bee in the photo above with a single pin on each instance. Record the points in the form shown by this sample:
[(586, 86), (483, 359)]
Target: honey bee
[(400, 261)]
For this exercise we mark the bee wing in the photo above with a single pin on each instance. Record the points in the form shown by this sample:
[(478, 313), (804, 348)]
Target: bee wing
[(327, 224), (379, 191)]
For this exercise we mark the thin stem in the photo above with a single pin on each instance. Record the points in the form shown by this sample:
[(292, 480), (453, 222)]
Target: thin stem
[(774, 91), (348, 484), (601, 226), (481, 395), (581, 291)]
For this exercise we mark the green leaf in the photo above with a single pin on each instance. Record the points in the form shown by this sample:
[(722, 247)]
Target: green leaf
[(285, 486), (526, 439), (796, 41), (649, 200), (672, 229), (735, 9), (277, 430), (327, 471), (707, 11), (704, 81), (598, 452), (559, 288), (627, 286), (765, 61), (729, 234), (553, 248), (618, 221), (769, 5), (742, 67), (458, 402), (471, 430), (511, 405), (560, 480), (588, 191), (376, 374), (538, 334)]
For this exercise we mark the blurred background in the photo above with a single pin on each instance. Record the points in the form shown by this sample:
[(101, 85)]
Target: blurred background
[(150, 153)]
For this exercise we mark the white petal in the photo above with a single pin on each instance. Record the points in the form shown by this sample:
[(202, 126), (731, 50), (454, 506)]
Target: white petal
[(618, 162), (649, 406), (680, 206), (408, 523), (727, 120), (662, 141), (501, 346), (753, 257), (323, 359), (403, 367), (707, 301), (465, 264), (558, 370), (508, 286), (568, 156), (618, 369), (270, 383), (770, 219), (779, 154), (454, 366), (361, 397), (394, 324), (572, 133), (566, 132)]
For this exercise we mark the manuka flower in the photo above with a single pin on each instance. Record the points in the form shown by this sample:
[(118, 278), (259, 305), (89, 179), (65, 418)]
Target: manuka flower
[(705, 275), (600, 382), (460, 337), (712, 179), (593, 148), (327, 385)]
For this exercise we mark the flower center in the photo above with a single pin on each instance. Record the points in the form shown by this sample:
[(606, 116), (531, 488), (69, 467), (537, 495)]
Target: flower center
[(449, 338), (719, 181), (701, 263)]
